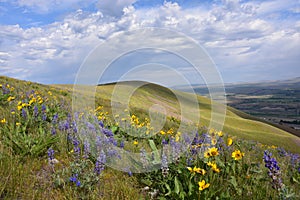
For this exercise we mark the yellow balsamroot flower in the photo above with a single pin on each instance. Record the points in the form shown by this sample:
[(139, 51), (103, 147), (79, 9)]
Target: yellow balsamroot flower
[(196, 170), (10, 98), (135, 142), (220, 133), (33, 100), (170, 131), (214, 151), (162, 132), (237, 155), (203, 185), (214, 141), (3, 121), (229, 141), (213, 166), (20, 107), (207, 154)]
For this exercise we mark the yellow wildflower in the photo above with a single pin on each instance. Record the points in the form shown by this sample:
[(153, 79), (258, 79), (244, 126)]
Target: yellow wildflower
[(220, 133), (170, 131), (162, 132), (196, 170), (237, 155), (50, 93), (3, 121), (207, 154), (135, 142), (229, 141), (202, 185), (18, 123), (214, 151), (20, 107), (213, 166), (10, 98), (13, 112), (214, 141)]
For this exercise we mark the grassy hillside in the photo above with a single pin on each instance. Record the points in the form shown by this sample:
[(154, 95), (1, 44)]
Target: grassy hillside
[(246, 128), (47, 153)]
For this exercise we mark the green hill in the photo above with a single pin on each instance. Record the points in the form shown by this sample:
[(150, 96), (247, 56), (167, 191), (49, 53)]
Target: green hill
[(235, 124), (42, 156)]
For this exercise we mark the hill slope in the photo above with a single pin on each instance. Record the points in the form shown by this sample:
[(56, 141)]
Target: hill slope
[(144, 97)]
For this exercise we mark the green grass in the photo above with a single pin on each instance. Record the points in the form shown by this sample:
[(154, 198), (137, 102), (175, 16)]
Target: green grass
[(246, 128), (26, 174)]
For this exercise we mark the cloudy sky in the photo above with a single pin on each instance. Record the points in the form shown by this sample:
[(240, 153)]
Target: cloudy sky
[(48, 40)]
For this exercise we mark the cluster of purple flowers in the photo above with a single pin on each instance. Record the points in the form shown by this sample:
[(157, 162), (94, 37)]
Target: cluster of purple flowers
[(100, 163), (273, 170), (74, 179), (144, 159), (164, 162), (5, 89)]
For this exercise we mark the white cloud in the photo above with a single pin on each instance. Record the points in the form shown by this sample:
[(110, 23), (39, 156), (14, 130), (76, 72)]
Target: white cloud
[(114, 7), (237, 35)]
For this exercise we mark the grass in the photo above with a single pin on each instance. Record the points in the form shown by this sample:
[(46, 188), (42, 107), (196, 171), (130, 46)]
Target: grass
[(236, 123), (28, 169)]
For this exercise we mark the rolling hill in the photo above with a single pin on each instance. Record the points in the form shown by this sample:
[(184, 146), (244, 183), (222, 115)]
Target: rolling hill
[(246, 128)]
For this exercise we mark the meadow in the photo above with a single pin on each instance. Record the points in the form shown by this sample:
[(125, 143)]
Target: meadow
[(43, 156)]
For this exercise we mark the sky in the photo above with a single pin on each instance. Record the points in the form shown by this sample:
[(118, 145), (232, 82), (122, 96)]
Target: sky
[(47, 41)]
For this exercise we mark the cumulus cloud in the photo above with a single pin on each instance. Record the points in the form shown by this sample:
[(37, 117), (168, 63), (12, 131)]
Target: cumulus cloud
[(240, 37), (114, 7)]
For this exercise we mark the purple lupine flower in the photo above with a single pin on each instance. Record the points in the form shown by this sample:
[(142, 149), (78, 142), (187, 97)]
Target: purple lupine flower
[(273, 170), (53, 131), (50, 154), (130, 173), (101, 124), (90, 126), (144, 159), (100, 163), (163, 142), (164, 162), (5, 89), (44, 108), (98, 143), (294, 159), (76, 146), (281, 151), (44, 116), (107, 132), (176, 150), (35, 111), (87, 149), (74, 126), (55, 118), (24, 113), (78, 183), (122, 144), (74, 179)]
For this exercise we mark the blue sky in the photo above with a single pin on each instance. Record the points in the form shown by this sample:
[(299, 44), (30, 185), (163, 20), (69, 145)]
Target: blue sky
[(47, 40)]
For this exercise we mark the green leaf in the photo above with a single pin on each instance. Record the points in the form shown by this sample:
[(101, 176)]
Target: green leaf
[(169, 189), (191, 186), (155, 152), (176, 183), (114, 129), (233, 182), (146, 182)]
